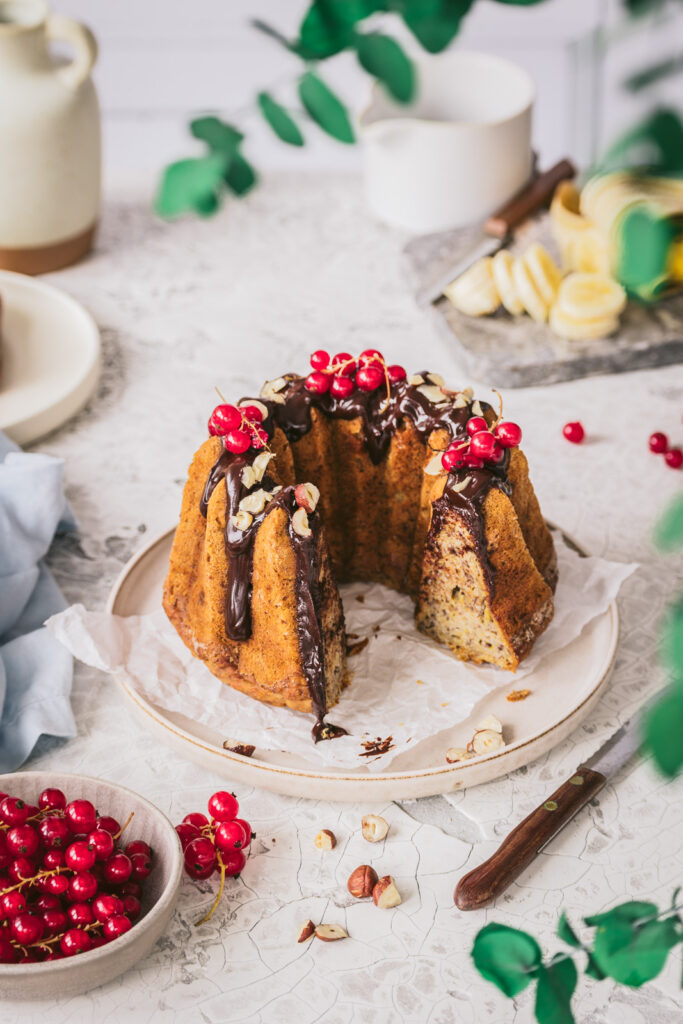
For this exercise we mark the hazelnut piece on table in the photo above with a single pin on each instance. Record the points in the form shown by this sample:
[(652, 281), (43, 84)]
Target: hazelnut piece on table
[(374, 828), (330, 932), (306, 930), (362, 881), (385, 894), (325, 840)]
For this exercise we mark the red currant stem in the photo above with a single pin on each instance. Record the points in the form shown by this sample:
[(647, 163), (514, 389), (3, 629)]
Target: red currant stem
[(208, 916), (54, 938), (124, 826), (220, 395), (33, 878), (500, 409)]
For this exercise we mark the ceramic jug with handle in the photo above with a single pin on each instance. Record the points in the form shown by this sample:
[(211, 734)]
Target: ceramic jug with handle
[(49, 140)]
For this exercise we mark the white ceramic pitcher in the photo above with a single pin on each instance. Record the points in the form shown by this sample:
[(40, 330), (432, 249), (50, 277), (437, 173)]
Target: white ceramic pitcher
[(459, 151), (49, 140)]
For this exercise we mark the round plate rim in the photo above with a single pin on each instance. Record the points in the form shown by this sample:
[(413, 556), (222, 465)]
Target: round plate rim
[(383, 778), (53, 412)]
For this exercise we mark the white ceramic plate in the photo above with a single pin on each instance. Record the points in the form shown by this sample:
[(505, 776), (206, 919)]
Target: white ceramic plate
[(49, 357), (564, 688)]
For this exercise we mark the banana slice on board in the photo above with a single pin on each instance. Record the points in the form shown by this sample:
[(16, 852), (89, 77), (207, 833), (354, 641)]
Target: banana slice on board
[(589, 252), (502, 278), (588, 296), (528, 293), (544, 272), (581, 328), (474, 292)]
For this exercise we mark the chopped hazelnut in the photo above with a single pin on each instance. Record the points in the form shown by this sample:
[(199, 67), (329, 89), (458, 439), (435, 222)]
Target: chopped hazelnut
[(362, 881), (385, 894), (325, 840), (374, 828)]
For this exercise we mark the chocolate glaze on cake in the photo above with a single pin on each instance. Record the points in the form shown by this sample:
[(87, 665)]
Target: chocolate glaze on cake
[(465, 491)]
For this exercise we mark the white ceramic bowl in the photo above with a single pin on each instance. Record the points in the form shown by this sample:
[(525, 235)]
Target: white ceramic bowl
[(458, 151), (77, 974)]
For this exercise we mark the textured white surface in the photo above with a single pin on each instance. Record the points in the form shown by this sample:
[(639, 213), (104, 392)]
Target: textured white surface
[(226, 302)]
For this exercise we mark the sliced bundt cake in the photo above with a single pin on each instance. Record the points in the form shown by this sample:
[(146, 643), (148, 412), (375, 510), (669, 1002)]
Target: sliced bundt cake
[(354, 472)]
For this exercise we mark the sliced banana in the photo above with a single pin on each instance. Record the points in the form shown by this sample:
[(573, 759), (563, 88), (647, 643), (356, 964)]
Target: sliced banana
[(544, 272), (589, 252), (581, 328), (501, 269), (586, 296), (527, 292), (474, 292)]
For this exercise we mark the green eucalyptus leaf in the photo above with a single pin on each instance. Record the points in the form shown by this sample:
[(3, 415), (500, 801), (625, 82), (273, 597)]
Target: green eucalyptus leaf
[(556, 984), (663, 732), (567, 933), (659, 136), (219, 136), (328, 26), (507, 957), (325, 108), (592, 969), (279, 120), (382, 57), (625, 913), (671, 646), (633, 955), (240, 176), (669, 529), (192, 184), (435, 27)]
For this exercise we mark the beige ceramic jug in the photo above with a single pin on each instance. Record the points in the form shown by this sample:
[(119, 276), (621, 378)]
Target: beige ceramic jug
[(49, 140)]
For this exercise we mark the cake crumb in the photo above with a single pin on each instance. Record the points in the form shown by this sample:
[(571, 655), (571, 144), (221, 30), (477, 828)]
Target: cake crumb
[(356, 648), (518, 695), (375, 629), (373, 748), (360, 598), (420, 682)]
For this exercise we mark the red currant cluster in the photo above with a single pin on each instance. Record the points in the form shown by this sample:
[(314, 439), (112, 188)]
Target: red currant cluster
[(342, 374), (217, 844), (659, 444), (483, 444), (65, 885), (239, 428)]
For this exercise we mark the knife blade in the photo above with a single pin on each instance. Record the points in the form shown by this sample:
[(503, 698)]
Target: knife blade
[(498, 229), (481, 886)]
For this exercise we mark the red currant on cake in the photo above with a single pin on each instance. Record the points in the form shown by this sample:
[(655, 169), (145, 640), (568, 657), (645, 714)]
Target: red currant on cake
[(343, 364), (318, 382), (223, 806), (452, 458), (259, 437), (342, 387), (396, 373), (658, 442), (508, 434), (320, 359), (472, 461), (237, 441), (224, 418), (252, 413), (574, 432), (475, 424), (483, 444), (369, 378), (370, 355)]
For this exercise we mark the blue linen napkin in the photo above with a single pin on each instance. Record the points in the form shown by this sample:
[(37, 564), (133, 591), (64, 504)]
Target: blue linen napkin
[(35, 670)]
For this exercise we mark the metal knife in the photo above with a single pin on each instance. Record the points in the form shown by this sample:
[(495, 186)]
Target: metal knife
[(482, 885), (498, 229)]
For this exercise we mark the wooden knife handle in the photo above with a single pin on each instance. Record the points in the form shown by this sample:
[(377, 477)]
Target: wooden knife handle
[(533, 196), (482, 885)]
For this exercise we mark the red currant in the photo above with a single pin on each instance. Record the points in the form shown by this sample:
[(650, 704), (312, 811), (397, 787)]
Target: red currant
[(27, 927), (131, 906), (80, 914), (186, 833), (343, 364), (53, 859), (8, 953), (115, 926), (21, 869), (13, 811), (247, 831), (75, 941), (318, 382), (48, 902), (131, 889), (508, 434), (118, 868), (199, 871), (11, 904), (224, 418), (252, 413), (142, 865), (259, 437), (200, 851), (57, 885), (658, 442), (223, 806), (320, 360), (472, 461), (102, 843), (396, 373), (483, 444), (369, 378), (22, 841), (55, 920), (54, 955), (234, 861), (52, 800), (451, 459), (574, 432), (342, 387), (80, 856), (81, 887), (54, 832), (138, 846), (497, 453), (230, 835), (475, 424), (370, 355), (108, 824), (197, 819), (674, 458), (106, 906), (237, 441), (80, 816)]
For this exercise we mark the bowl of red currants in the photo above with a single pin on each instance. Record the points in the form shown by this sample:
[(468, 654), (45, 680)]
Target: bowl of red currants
[(89, 877)]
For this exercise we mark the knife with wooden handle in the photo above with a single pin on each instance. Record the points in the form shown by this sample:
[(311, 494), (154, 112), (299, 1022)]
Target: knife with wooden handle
[(481, 886)]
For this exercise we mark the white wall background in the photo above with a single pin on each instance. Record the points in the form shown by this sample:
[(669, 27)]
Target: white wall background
[(162, 61)]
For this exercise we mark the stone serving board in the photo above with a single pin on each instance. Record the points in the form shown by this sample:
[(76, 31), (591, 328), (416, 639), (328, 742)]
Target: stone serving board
[(518, 352)]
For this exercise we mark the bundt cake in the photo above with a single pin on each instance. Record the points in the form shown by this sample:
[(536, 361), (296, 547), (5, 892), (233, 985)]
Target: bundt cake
[(355, 472)]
